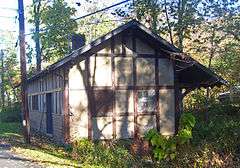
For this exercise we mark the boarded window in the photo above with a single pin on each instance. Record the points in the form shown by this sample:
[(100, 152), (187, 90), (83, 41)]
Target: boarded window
[(103, 105), (146, 101), (145, 71), (123, 71), (35, 105)]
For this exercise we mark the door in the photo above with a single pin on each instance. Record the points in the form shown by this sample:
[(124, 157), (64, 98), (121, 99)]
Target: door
[(49, 113)]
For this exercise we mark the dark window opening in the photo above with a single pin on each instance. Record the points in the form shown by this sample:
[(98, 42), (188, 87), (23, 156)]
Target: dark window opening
[(35, 105)]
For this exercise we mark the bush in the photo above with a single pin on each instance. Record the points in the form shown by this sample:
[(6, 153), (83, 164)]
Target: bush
[(102, 155), (165, 147), (222, 130), (11, 114)]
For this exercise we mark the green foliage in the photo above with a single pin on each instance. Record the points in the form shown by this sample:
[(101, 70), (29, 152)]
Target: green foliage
[(11, 114), (57, 20), (10, 129), (165, 147), (148, 11), (103, 155), (96, 25), (222, 130), (187, 122), (10, 74), (230, 61), (214, 143)]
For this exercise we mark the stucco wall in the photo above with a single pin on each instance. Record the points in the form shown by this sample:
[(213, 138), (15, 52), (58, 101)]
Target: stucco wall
[(116, 116)]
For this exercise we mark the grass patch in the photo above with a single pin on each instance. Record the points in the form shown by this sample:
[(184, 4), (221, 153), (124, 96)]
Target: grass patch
[(45, 157), (41, 151), (11, 114), (10, 129)]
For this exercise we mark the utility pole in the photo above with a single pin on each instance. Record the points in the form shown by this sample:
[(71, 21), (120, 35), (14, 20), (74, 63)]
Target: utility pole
[(2, 79), (26, 126)]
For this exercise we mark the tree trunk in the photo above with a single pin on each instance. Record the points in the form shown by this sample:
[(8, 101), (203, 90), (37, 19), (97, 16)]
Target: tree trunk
[(2, 81), (8, 100), (15, 97), (211, 55), (180, 29), (168, 22), (37, 6)]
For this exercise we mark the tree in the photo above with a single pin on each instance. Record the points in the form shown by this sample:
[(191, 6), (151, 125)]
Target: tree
[(10, 70), (12, 75), (36, 16), (180, 17), (98, 24), (59, 25), (148, 12), (145, 11), (172, 17), (53, 25), (215, 42)]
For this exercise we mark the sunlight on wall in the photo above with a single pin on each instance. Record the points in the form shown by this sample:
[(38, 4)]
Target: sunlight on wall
[(145, 71), (78, 103), (167, 108), (75, 77), (102, 128), (101, 71), (145, 123)]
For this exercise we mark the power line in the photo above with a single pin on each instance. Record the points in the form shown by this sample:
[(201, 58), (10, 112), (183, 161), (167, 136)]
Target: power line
[(81, 17), (7, 30), (8, 43), (8, 17), (8, 8), (101, 10), (106, 21)]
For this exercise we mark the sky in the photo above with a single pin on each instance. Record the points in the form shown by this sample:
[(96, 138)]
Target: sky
[(9, 21)]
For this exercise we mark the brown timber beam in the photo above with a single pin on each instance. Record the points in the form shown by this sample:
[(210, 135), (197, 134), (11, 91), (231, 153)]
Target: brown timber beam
[(134, 84), (176, 93), (66, 107), (113, 87), (157, 93)]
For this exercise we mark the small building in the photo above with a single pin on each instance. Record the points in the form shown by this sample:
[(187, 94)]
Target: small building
[(118, 86)]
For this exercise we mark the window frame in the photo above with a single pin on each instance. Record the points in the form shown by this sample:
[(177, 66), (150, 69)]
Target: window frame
[(35, 102)]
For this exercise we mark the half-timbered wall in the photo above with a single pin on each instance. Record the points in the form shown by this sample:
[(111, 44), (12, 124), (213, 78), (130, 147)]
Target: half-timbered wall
[(51, 83), (123, 90)]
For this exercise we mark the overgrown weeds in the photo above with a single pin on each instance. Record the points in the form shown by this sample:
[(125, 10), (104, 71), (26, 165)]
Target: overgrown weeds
[(104, 154), (214, 143)]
